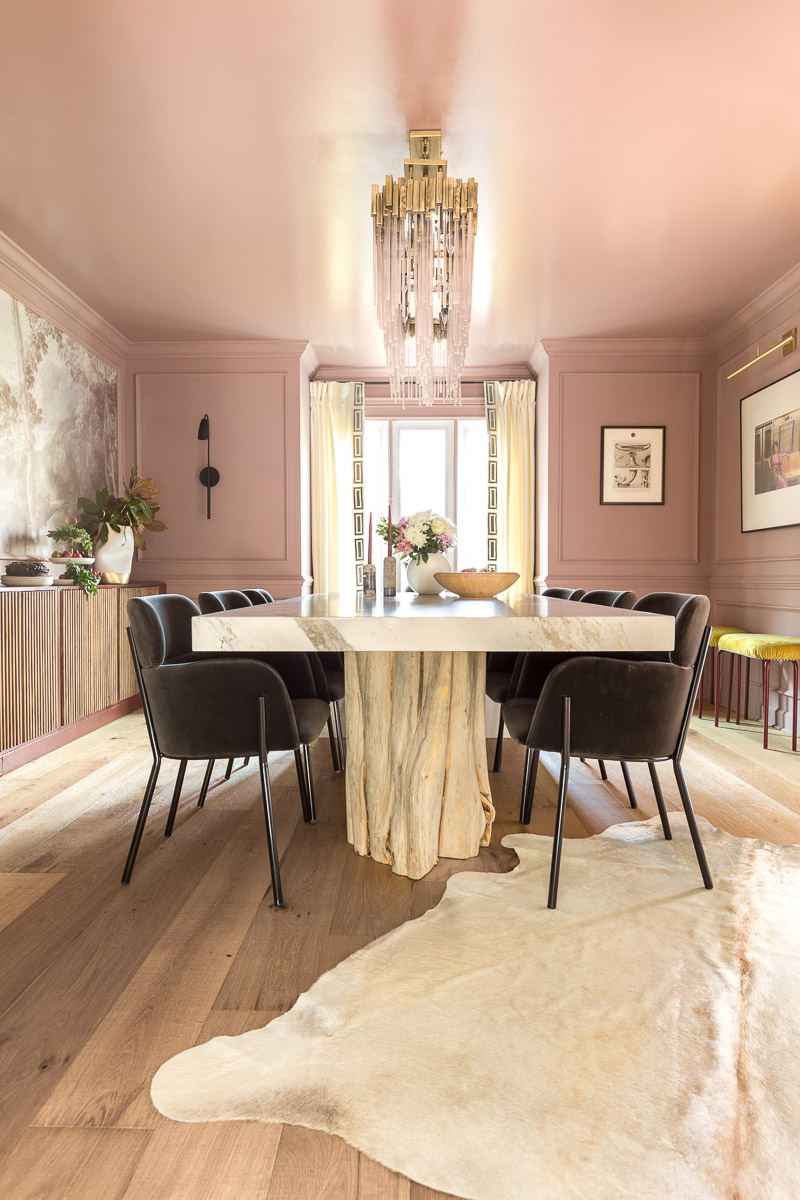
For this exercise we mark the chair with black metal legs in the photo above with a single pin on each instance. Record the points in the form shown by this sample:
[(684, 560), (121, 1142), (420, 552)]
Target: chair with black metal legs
[(208, 708), (330, 663), (560, 593), (533, 669), (629, 710)]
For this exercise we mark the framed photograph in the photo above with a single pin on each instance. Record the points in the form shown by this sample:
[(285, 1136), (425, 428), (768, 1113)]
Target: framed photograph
[(632, 464), (769, 430)]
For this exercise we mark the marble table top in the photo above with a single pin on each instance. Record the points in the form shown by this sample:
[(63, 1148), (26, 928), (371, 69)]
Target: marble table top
[(446, 622)]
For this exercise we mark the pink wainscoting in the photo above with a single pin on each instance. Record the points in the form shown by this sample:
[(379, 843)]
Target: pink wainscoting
[(257, 534), (645, 548)]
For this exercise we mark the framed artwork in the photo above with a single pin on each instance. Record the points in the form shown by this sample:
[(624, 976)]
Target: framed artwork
[(632, 464), (769, 430)]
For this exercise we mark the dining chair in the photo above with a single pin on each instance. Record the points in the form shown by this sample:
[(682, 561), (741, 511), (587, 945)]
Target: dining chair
[(560, 593), (625, 708), (331, 665), (205, 707)]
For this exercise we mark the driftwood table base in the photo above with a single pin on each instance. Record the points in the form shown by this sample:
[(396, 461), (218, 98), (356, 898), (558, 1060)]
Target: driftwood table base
[(417, 776)]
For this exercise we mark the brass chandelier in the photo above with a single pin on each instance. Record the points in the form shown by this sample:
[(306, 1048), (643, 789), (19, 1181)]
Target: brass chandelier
[(424, 227)]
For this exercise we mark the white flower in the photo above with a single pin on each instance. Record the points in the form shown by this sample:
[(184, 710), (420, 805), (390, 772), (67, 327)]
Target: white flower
[(439, 525)]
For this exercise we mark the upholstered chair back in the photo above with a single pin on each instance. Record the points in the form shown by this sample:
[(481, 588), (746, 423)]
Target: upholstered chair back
[(215, 602), (161, 627), (691, 617), (259, 596), (563, 593), (609, 599)]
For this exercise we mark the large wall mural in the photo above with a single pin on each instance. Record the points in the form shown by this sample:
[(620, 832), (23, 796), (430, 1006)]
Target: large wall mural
[(58, 427)]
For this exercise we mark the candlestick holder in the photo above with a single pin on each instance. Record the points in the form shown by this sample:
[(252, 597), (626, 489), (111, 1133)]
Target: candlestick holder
[(390, 576), (370, 581)]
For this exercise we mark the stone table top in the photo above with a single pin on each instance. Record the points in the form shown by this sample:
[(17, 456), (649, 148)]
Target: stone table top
[(446, 622)]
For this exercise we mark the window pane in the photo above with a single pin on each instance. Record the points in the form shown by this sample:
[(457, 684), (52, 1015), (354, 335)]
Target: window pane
[(421, 469), (473, 483)]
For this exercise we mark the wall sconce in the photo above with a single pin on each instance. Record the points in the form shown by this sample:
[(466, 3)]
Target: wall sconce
[(788, 343), (209, 476)]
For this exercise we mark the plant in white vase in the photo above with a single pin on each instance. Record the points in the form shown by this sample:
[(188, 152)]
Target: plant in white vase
[(421, 540), (118, 524)]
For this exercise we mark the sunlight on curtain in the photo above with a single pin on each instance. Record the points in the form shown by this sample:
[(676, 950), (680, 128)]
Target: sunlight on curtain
[(332, 546), (515, 405)]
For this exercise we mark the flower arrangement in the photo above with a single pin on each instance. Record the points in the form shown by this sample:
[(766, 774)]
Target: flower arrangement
[(419, 535), (136, 507)]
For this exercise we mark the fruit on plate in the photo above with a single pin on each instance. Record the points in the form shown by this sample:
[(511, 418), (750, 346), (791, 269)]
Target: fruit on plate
[(28, 566)]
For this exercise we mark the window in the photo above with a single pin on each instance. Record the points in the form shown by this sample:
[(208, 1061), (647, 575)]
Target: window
[(438, 464)]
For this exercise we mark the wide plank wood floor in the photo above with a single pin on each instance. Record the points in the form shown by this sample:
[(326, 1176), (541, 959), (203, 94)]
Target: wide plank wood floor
[(99, 984)]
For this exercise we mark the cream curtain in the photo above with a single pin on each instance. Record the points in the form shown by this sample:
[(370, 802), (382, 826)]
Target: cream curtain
[(515, 414), (333, 557)]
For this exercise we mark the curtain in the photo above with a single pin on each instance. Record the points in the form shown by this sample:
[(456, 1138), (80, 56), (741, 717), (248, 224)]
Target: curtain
[(510, 418), (333, 495)]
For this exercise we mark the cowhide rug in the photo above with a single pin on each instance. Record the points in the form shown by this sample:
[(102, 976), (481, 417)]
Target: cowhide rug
[(642, 1041)]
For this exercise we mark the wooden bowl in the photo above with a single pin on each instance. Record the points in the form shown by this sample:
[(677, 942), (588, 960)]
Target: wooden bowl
[(476, 585)]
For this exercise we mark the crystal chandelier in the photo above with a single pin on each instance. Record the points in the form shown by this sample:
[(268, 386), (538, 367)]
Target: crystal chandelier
[(423, 242)]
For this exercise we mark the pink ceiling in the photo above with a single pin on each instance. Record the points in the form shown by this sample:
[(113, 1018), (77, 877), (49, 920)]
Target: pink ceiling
[(195, 169)]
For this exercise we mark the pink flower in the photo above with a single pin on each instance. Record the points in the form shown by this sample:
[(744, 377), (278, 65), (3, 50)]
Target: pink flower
[(404, 547)]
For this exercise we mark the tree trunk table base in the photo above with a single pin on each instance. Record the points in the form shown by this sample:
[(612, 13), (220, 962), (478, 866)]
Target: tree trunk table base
[(417, 775)]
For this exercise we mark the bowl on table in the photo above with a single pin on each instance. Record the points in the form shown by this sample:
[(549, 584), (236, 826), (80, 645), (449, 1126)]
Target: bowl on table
[(476, 585), (27, 572)]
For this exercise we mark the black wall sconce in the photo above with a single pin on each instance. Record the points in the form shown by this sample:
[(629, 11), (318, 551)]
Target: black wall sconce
[(209, 476)]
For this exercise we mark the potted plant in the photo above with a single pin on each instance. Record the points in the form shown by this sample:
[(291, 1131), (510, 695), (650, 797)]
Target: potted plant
[(118, 524), (77, 557), (421, 539)]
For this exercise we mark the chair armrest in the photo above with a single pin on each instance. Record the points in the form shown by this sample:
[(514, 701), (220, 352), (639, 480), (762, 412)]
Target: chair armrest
[(320, 681), (210, 709), (625, 710)]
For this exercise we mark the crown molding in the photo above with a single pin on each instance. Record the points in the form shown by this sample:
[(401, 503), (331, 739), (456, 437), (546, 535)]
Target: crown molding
[(761, 306), (34, 286), (326, 374), (247, 348), (608, 347), (538, 359), (308, 360)]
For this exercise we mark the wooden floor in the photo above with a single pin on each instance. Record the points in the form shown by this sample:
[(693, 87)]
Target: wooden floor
[(99, 984)]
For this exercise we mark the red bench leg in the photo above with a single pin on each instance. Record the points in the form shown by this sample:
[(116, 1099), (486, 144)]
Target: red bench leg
[(738, 686), (794, 703), (747, 690)]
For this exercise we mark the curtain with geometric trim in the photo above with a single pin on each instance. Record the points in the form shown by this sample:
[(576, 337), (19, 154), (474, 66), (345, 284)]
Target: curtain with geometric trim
[(337, 503), (511, 425)]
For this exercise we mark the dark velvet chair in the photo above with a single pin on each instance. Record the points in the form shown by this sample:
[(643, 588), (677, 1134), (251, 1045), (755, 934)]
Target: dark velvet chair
[(328, 664), (631, 708), (204, 706), (563, 593)]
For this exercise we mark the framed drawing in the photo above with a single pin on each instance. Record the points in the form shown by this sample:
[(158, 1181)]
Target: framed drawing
[(632, 464), (769, 430)]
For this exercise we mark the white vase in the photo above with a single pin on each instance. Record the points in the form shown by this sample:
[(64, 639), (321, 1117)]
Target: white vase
[(114, 557), (421, 575)]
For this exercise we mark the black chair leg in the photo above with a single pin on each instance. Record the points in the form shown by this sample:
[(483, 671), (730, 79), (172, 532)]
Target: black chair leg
[(176, 795), (626, 775), (337, 717), (603, 771), (206, 781), (301, 783), (266, 799), (498, 749), (529, 788), (312, 811), (142, 820), (229, 768), (337, 766), (563, 780), (246, 761), (662, 808), (692, 823)]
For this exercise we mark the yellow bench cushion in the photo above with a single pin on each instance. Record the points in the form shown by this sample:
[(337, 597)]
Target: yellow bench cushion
[(718, 631), (761, 645)]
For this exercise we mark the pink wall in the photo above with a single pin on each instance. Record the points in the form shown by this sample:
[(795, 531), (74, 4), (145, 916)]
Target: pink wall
[(644, 548), (251, 391)]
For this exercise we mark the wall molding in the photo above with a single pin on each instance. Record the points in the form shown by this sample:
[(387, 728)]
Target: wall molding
[(647, 347), (327, 374), (35, 287), (251, 348), (757, 309)]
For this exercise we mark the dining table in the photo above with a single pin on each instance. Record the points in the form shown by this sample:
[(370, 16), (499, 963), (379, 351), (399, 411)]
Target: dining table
[(417, 778)]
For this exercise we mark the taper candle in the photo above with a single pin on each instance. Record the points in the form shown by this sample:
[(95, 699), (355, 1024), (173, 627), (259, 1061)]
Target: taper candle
[(389, 563), (369, 541)]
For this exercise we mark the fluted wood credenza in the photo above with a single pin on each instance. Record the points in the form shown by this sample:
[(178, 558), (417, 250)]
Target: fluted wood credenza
[(65, 666)]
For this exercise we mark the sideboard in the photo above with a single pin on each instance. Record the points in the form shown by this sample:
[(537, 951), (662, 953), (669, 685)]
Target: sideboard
[(65, 665)]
